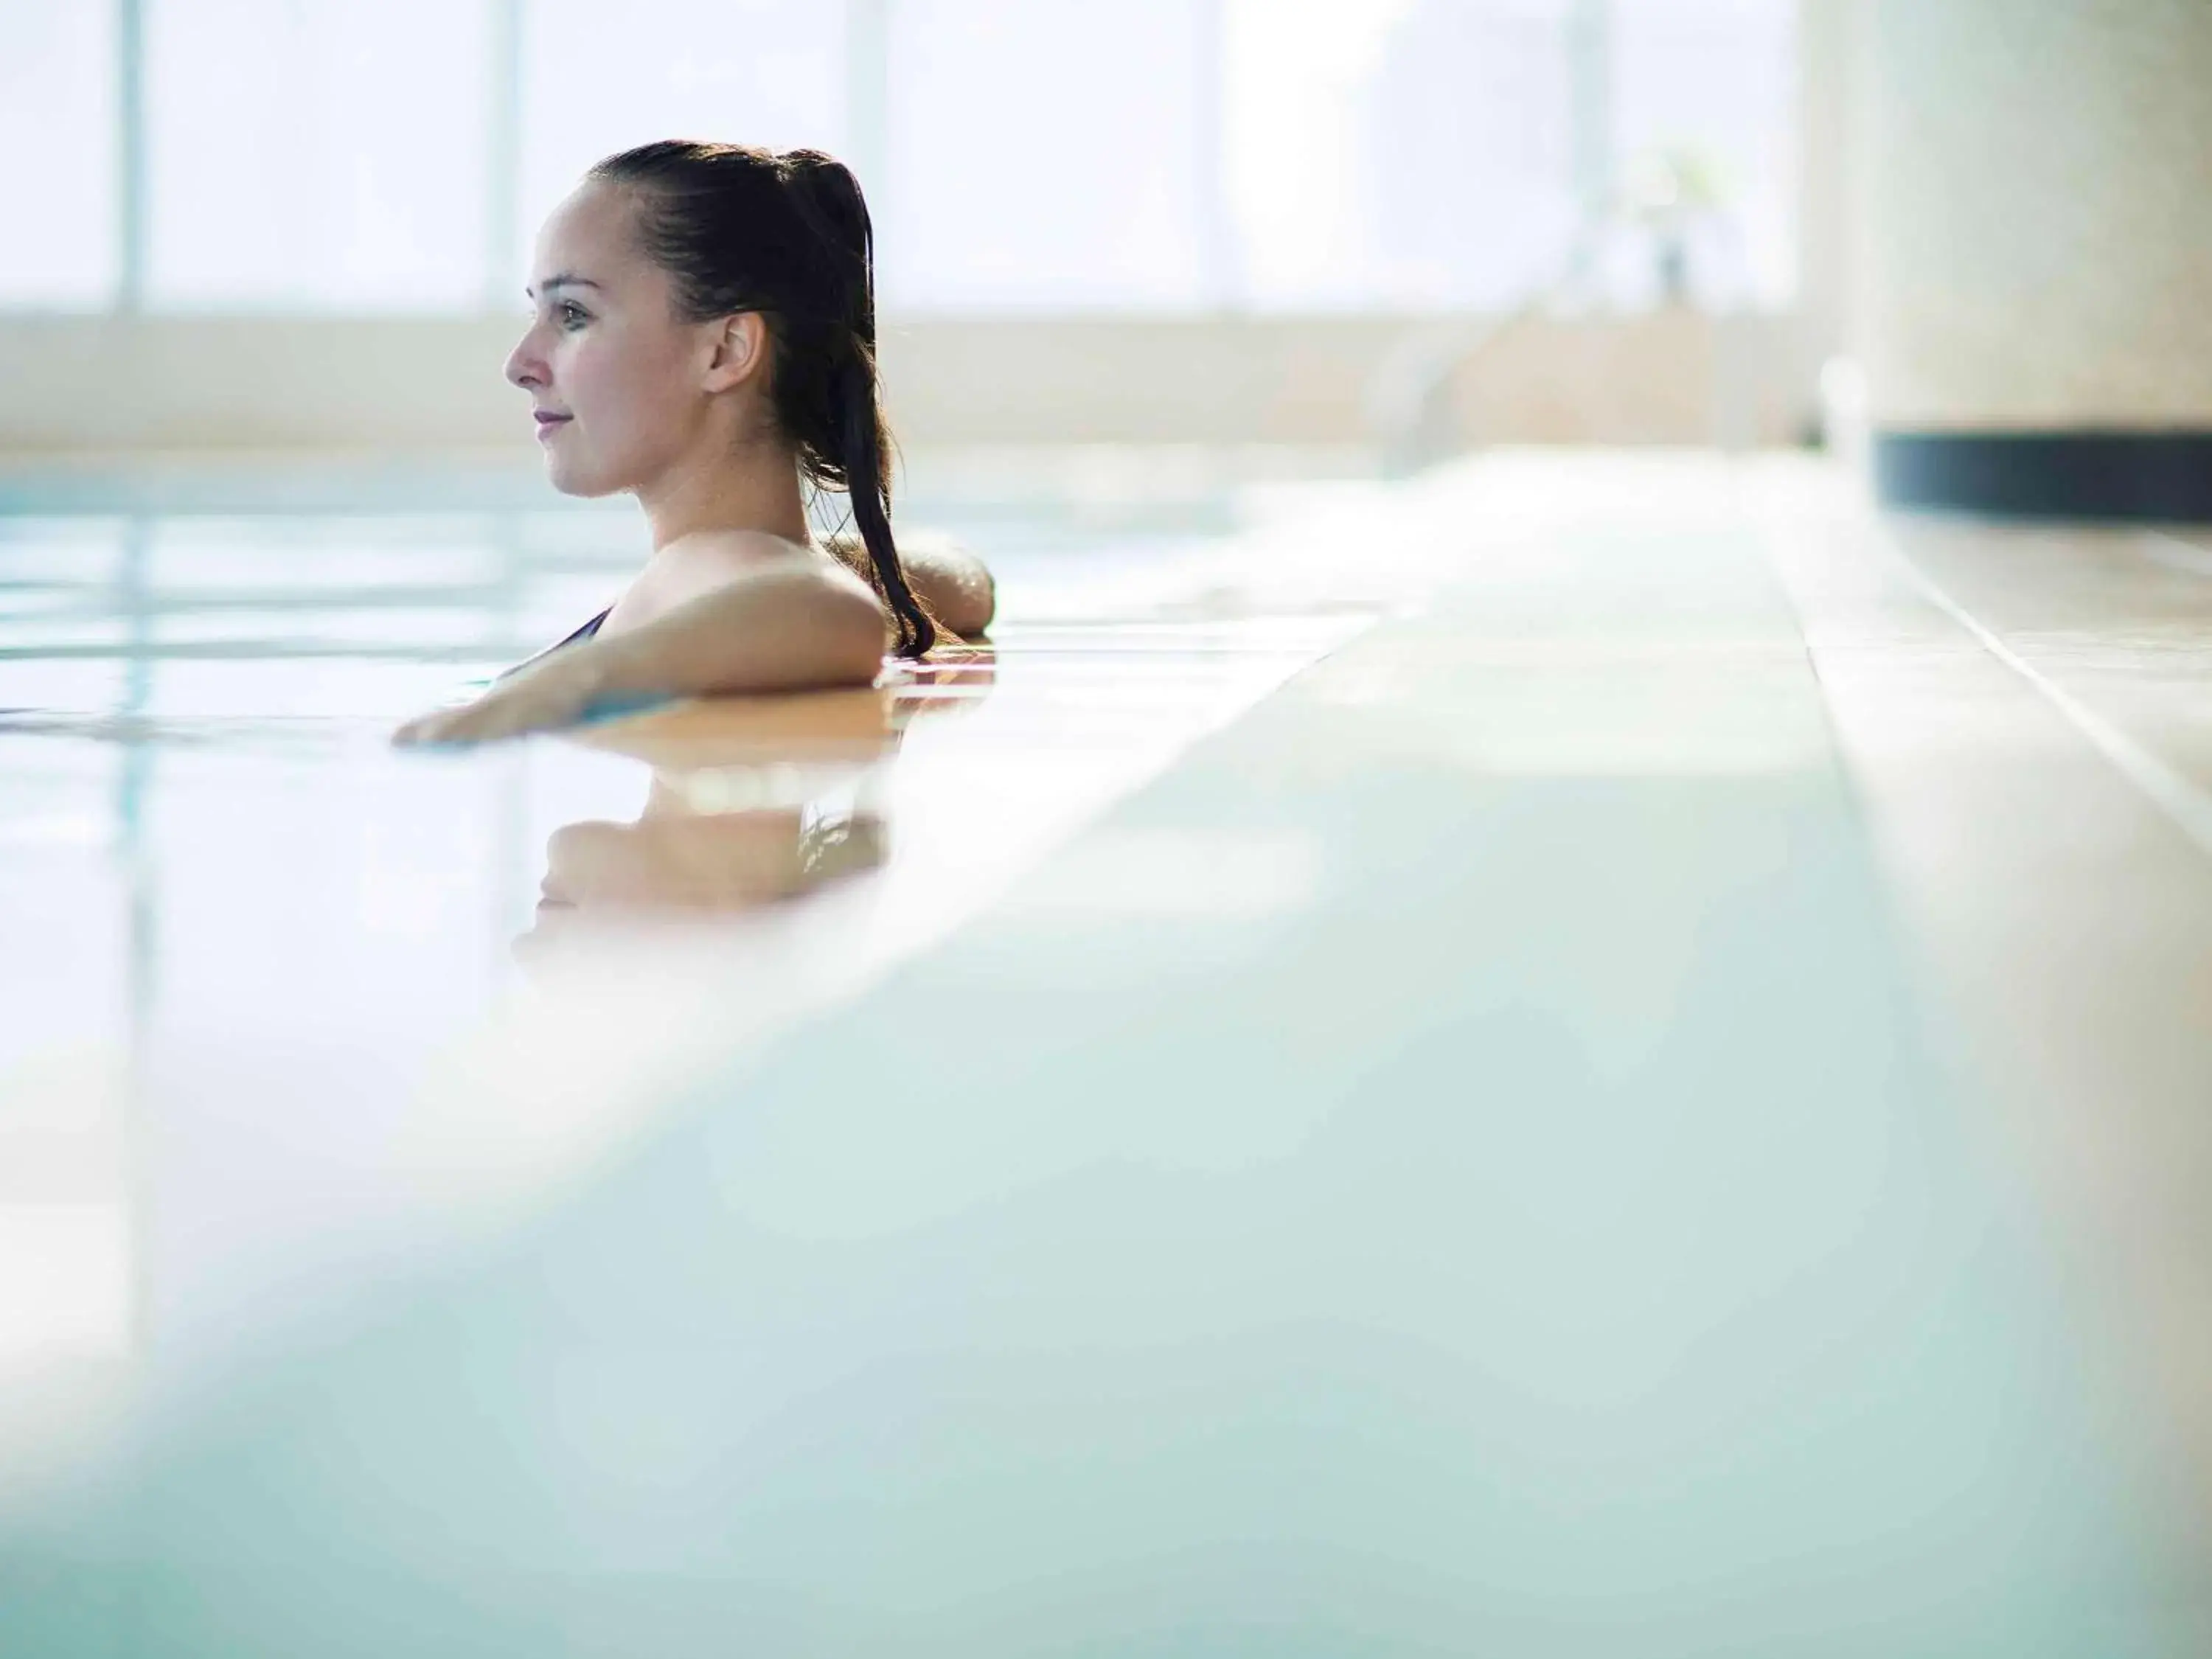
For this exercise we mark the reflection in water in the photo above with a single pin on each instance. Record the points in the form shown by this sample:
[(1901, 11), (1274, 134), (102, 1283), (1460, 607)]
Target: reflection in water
[(752, 801), (674, 857)]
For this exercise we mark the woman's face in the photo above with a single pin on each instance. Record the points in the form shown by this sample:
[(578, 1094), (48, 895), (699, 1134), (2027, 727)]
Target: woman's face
[(615, 373)]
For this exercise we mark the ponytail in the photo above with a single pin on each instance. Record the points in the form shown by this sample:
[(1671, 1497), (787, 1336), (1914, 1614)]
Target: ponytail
[(866, 469), (789, 236)]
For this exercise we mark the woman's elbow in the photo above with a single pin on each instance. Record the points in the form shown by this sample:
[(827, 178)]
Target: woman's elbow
[(852, 637), (971, 605), (952, 583)]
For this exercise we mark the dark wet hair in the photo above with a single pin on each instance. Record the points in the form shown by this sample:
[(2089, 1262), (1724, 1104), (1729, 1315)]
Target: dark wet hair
[(788, 236)]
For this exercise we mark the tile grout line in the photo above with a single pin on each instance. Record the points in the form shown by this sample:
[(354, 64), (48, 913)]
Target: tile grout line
[(2175, 553), (2187, 806)]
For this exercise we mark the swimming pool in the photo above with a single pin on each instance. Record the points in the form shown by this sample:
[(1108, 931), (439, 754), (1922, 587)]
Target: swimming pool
[(221, 883)]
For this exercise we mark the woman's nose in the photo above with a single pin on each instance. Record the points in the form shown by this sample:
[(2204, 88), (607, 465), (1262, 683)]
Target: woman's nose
[(526, 365)]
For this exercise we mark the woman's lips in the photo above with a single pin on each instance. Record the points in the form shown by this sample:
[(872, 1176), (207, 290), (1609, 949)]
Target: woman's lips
[(550, 422)]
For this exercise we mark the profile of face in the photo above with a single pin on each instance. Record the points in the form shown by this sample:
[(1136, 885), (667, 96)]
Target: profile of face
[(625, 388)]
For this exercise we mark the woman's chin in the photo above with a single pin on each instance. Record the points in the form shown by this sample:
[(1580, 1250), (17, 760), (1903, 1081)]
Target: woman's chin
[(570, 479)]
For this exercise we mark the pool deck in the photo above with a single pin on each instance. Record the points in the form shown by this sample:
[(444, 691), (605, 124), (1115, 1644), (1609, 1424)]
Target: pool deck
[(1580, 1054)]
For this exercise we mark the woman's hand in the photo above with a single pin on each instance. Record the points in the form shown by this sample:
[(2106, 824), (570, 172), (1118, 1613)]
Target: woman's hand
[(540, 698)]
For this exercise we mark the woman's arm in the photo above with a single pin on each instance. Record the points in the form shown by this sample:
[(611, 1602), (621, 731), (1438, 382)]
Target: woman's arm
[(950, 581), (785, 628)]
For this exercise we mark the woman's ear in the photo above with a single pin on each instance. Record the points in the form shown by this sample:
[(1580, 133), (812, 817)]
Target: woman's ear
[(739, 348)]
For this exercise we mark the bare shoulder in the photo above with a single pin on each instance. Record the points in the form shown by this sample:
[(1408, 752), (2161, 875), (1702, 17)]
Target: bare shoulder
[(702, 562), (732, 551), (727, 555)]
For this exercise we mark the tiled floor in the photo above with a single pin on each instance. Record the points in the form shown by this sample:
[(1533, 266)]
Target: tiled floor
[(1649, 1100)]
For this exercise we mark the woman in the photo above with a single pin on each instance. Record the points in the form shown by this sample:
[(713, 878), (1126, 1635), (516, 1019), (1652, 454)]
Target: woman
[(705, 339)]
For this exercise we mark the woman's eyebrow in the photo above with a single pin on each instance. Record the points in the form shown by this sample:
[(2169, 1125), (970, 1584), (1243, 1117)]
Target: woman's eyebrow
[(566, 279)]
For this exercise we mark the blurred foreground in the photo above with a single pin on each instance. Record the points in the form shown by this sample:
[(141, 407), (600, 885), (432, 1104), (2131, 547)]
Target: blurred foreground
[(1578, 1056)]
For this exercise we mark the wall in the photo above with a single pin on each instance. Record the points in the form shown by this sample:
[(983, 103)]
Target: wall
[(2037, 241), (2032, 243), (193, 383)]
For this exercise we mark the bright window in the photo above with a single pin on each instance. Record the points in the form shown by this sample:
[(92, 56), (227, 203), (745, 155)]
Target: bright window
[(1711, 87), (1050, 154), (597, 79), (58, 155), (306, 155), (1026, 155), (1402, 154)]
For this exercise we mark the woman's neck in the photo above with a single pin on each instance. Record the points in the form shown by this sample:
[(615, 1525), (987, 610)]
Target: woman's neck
[(753, 487)]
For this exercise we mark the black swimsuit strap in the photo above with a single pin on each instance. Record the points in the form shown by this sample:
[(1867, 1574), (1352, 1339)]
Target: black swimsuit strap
[(584, 632), (587, 630)]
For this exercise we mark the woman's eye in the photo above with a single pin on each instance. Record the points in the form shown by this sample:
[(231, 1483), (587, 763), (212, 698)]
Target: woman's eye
[(572, 315)]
